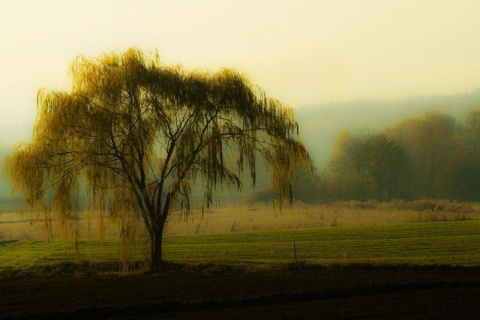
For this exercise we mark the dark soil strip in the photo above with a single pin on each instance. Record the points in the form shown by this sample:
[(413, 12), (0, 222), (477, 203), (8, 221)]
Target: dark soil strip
[(274, 299)]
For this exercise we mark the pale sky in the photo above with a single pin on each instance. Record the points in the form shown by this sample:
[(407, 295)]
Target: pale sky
[(302, 52)]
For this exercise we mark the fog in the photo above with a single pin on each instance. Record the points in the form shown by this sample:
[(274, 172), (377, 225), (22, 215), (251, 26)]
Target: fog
[(321, 124), (305, 52)]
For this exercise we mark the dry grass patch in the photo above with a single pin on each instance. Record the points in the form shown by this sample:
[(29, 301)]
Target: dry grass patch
[(224, 219)]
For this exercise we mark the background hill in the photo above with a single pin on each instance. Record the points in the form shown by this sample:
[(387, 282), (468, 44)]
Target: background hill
[(321, 124)]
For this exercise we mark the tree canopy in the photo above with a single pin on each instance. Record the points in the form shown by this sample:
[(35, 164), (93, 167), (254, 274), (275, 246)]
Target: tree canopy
[(138, 134), (366, 166), (430, 156)]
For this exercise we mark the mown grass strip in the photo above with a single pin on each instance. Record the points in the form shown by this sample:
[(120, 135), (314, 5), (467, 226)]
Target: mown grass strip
[(442, 243)]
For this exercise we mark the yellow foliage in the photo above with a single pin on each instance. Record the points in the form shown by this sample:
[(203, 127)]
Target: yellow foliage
[(138, 133)]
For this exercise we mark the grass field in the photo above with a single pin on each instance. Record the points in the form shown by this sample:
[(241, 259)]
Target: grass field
[(226, 219), (427, 243)]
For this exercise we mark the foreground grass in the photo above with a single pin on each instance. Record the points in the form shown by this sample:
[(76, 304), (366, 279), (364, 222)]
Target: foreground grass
[(433, 243), (453, 243)]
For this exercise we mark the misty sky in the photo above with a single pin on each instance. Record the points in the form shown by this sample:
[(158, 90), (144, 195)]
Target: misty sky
[(302, 52)]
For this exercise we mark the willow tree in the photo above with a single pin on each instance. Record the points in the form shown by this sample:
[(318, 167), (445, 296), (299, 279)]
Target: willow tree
[(138, 134)]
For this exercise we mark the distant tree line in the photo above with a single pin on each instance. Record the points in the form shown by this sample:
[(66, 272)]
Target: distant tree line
[(432, 156)]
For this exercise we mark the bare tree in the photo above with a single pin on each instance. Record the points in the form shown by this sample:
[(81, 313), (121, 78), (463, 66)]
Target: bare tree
[(373, 163), (138, 134)]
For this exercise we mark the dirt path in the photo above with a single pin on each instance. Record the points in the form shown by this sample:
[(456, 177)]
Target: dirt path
[(313, 294)]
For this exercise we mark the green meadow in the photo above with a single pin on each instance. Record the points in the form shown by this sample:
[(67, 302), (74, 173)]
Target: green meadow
[(427, 243)]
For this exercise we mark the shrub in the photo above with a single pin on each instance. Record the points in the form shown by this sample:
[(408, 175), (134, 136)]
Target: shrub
[(264, 195)]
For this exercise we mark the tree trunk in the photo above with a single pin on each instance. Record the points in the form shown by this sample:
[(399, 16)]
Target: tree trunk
[(156, 236)]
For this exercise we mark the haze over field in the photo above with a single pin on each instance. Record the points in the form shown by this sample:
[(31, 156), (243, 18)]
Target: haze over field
[(155, 154)]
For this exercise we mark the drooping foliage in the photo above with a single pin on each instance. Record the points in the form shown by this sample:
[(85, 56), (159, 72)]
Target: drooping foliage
[(138, 134)]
